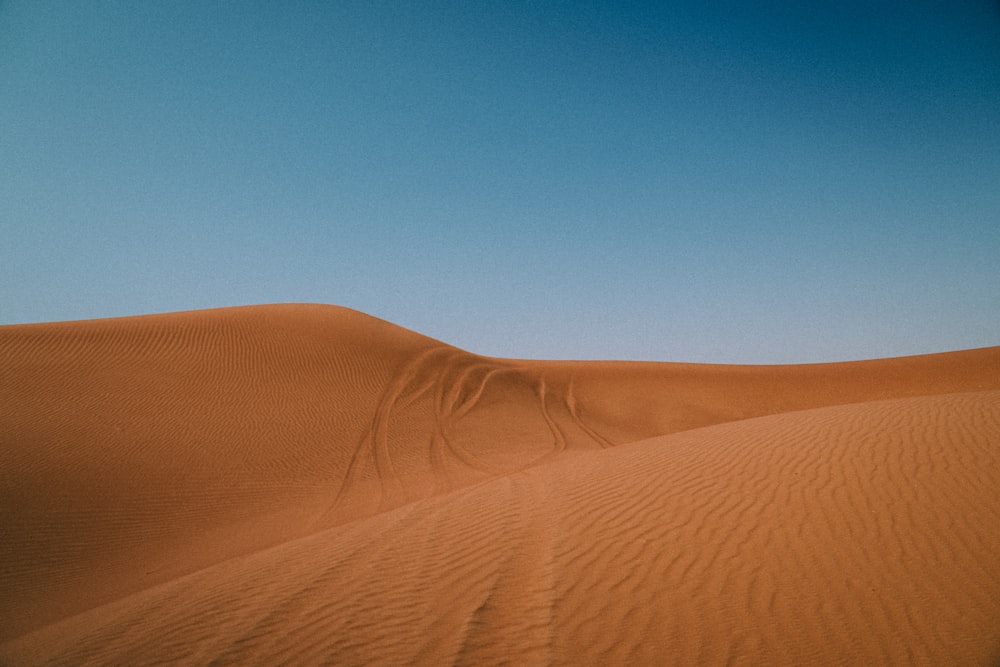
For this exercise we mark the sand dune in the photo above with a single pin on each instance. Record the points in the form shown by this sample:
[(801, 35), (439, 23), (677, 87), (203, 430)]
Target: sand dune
[(307, 484)]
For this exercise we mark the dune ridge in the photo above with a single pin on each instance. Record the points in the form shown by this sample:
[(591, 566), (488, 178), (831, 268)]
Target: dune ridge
[(303, 483)]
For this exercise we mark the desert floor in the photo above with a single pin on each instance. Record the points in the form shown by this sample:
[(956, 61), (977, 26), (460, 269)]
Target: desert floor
[(305, 484)]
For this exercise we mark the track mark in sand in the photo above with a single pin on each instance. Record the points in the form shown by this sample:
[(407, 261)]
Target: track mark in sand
[(456, 383), (448, 400), (559, 440), (443, 423), (458, 408), (713, 546), (375, 442), (516, 619), (571, 406)]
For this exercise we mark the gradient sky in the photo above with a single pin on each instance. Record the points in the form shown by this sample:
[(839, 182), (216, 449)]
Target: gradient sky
[(743, 182)]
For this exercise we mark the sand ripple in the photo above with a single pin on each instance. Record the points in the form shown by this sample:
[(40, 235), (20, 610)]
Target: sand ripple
[(304, 484)]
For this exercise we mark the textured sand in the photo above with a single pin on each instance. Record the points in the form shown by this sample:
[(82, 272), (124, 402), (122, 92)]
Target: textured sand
[(307, 484)]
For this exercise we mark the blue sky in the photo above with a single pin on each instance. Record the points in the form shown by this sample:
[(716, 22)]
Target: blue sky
[(742, 182)]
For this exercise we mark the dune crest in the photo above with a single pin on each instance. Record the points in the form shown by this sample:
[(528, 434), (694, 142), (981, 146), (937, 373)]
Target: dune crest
[(298, 483)]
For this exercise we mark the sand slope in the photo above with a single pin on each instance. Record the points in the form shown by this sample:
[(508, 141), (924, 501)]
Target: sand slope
[(304, 483)]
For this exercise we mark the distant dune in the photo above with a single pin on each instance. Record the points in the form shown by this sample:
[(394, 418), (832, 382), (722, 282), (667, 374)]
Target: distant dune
[(305, 484)]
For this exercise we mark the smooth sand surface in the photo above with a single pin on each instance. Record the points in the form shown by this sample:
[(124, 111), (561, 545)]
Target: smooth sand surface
[(304, 484)]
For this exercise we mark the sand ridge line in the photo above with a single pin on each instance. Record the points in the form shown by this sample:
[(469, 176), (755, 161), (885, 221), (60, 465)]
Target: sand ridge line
[(715, 545), (138, 450)]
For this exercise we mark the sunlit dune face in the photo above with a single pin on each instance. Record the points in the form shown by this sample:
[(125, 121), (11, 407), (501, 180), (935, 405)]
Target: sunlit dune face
[(306, 484)]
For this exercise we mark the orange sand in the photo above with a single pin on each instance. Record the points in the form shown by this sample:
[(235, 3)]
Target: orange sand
[(299, 484)]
